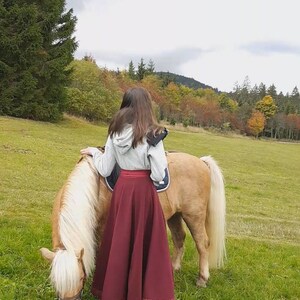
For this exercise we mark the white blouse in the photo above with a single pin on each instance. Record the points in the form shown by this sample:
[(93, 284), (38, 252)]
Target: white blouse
[(142, 157)]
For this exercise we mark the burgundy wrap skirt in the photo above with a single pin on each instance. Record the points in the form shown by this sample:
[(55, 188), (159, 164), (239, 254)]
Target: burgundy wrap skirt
[(133, 261)]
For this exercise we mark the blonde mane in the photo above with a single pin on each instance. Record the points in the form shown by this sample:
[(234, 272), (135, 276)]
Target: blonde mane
[(77, 223)]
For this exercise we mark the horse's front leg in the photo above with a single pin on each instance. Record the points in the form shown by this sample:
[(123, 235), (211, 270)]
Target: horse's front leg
[(196, 225), (178, 237)]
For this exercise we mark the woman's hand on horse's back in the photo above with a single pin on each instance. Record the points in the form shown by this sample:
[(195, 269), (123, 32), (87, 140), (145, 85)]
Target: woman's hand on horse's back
[(89, 151)]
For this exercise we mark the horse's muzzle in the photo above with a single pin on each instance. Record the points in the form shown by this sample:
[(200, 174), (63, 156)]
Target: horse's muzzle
[(76, 297)]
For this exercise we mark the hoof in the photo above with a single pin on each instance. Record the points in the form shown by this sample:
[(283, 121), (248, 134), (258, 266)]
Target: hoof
[(201, 282), (176, 266)]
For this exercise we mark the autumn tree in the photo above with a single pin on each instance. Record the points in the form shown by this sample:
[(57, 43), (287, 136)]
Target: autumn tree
[(93, 92), (291, 125), (210, 114), (154, 85), (190, 107), (256, 123), (226, 103), (266, 106)]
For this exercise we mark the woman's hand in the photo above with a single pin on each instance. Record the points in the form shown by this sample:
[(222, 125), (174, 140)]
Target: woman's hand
[(89, 151)]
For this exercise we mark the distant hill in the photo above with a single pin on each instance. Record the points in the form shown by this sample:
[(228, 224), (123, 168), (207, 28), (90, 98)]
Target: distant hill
[(189, 82)]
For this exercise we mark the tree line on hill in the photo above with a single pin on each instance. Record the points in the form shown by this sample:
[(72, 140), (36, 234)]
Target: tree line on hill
[(40, 80), (95, 93), (276, 115)]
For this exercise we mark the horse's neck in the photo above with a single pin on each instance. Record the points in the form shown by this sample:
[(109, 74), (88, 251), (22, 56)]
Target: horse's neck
[(56, 241), (102, 207), (74, 218)]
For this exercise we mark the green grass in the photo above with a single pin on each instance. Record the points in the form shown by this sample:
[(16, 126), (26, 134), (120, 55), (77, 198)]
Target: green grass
[(263, 209)]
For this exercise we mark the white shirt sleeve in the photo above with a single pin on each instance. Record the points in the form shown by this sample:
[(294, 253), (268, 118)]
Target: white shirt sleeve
[(158, 161), (105, 162)]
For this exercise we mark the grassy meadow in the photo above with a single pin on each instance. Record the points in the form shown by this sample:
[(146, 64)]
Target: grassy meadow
[(263, 209)]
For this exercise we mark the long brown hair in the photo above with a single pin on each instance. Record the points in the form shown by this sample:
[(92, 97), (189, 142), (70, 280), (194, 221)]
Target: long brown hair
[(136, 109)]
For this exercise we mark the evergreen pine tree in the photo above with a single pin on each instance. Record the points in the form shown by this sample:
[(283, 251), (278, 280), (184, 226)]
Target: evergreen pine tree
[(272, 91), (131, 70), (295, 99), (89, 57), (20, 39), (295, 93), (150, 67), (262, 90), (36, 45), (141, 72)]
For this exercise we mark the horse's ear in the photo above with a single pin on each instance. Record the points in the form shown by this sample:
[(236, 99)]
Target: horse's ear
[(79, 254), (47, 254)]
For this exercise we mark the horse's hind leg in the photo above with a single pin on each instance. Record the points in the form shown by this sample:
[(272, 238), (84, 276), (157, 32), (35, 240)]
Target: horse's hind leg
[(178, 237), (196, 225)]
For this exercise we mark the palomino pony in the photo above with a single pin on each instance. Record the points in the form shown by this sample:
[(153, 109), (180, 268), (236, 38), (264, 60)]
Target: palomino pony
[(196, 195)]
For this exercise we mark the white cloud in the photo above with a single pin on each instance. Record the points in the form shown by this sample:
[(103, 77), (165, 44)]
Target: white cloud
[(216, 42), (270, 47), (164, 61)]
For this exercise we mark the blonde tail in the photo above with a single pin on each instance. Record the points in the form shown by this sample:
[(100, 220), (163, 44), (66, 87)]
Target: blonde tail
[(215, 224)]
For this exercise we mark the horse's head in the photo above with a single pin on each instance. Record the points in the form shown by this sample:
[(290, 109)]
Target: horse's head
[(74, 219), (68, 273)]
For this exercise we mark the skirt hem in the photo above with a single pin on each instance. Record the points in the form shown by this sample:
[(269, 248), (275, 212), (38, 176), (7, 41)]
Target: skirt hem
[(98, 294)]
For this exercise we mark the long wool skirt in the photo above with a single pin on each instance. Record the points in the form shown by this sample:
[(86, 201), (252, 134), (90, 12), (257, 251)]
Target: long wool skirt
[(133, 261)]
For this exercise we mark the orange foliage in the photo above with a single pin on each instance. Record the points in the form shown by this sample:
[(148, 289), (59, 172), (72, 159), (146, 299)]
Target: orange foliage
[(236, 123), (210, 114), (154, 85), (293, 121), (256, 123)]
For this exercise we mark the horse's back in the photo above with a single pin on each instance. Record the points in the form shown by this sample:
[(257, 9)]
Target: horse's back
[(189, 184)]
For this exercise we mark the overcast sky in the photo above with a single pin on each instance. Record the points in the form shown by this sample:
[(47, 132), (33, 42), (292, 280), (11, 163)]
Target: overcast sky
[(216, 42)]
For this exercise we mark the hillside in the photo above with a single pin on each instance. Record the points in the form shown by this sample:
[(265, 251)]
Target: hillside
[(189, 82)]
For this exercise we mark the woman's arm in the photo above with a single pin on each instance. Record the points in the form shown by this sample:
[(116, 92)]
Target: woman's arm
[(104, 162), (158, 161)]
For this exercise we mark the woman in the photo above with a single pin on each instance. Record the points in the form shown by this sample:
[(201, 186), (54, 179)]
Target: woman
[(133, 261)]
